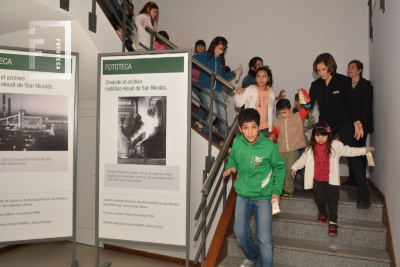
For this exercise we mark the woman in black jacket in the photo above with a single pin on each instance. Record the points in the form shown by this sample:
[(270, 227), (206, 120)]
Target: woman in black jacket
[(338, 107), (364, 96)]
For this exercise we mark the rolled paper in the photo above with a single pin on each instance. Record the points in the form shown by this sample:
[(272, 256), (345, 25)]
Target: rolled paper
[(370, 159), (275, 207)]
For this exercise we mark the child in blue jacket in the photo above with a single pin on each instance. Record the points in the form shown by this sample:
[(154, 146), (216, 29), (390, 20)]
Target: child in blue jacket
[(214, 59)]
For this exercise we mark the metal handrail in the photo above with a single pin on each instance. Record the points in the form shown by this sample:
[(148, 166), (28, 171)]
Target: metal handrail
[(204, 208), (218, 162), (194, 61), (125, 32)]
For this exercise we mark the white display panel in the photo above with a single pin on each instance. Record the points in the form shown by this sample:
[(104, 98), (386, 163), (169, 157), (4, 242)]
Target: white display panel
[(36, 146), (143, 148)]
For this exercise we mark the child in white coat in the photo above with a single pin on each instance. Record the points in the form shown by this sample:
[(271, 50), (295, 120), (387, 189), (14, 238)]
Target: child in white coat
[(260, 97), (321, 159), (148, 17)]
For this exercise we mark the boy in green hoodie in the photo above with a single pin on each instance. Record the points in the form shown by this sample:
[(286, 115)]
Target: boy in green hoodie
[(261, 176)]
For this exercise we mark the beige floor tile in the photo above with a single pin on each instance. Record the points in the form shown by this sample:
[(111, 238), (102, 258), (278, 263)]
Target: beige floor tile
[(7, 264), (39, 261), (60, 254), (83, 249), (35, 248), (105, 254), (13, 256), (87, 261)]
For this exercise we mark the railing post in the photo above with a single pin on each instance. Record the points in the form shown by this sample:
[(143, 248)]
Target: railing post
[(204, 217), (152, 40), (92, 17), (225, 182), (124, 4), (210, 114)]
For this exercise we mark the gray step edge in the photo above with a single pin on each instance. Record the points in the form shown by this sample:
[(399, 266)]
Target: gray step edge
[(343, 223), (346, 202), (231, 261), (363, 253)]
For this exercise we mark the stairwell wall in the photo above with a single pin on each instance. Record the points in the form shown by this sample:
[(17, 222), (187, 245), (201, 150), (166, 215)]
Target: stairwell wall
[(384, 72)]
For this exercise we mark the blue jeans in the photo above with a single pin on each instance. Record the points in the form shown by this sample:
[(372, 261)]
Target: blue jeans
[(299, 179), (201, 111), (263, 216), (217, 107)]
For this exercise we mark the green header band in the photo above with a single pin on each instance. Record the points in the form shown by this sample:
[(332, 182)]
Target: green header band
[(42, 64), (143, 65)]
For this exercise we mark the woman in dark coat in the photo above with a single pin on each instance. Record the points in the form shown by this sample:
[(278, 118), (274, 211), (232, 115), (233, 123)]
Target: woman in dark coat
[(338, 107), (364, 95)]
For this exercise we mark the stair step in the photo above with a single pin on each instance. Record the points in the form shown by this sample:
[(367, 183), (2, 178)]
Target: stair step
[(300, 252), (231, 261), (350, 232), (302, 203)]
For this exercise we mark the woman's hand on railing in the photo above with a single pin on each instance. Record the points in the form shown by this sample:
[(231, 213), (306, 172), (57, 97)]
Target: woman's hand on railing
[(240, 90), (154, 30), (236, 71), (229, 171), (180, 47)]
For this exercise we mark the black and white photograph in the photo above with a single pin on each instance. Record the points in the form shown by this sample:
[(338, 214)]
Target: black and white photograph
[(142, 130), (32, 122)]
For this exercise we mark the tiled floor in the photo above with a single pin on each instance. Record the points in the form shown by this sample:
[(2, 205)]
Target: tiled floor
[(59, 254)]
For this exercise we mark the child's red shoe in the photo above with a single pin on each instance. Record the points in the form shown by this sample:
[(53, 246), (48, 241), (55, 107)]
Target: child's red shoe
[(333, 229), (323, 218)]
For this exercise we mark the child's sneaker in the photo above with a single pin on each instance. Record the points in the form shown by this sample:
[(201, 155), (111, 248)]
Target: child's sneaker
[(247, 263), (333, 229), (323, 218), (198, 125), (287, 194)]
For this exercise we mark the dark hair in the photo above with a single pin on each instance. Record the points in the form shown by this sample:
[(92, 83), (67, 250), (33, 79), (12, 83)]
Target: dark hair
[(359, 65), (163, 34), (248, 115), (283, 104), (269, 72), (227, 69), (216, 42), (200, 42), (328, 60), (252, 64), (150, 5), (321, 128), (296, 97), (130, 15)]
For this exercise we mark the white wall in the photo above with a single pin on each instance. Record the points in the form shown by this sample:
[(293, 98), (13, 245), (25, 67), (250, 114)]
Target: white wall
[(384, 73)]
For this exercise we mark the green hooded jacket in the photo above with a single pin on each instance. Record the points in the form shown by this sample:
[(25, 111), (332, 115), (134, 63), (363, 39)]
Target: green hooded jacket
[(260, 166)]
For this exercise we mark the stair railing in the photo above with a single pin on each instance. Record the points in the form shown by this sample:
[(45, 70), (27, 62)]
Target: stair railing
[(113, 6), (206, 203)]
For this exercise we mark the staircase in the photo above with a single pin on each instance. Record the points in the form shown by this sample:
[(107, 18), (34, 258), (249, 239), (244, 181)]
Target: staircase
[(301, 241)]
